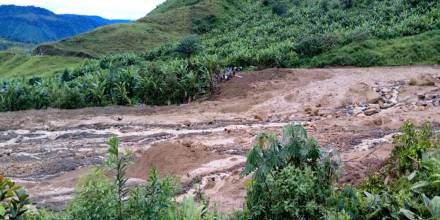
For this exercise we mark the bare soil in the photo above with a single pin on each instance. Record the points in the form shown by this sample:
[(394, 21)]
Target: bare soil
[(355, 111)]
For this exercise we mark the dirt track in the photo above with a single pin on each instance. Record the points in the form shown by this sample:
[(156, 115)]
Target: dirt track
[(356, 111)]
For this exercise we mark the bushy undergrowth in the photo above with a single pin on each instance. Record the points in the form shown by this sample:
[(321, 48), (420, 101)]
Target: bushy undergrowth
[(292, 178)]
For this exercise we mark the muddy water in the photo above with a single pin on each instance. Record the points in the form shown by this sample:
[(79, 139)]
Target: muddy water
[(76, 147)]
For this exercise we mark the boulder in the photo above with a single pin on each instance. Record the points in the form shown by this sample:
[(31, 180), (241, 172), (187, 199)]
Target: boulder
[(422, 80), (362, 92), (371, 111)]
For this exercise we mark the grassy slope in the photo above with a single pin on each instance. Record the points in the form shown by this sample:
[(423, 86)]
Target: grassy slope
[(167, 23), (8, 44), (23, 65), (418, 49)]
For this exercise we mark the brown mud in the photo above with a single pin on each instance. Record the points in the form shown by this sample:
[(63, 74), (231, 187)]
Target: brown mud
[(355, 111)]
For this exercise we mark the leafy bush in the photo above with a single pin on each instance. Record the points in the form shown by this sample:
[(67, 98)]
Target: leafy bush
[(315, 45), (188, 46), (94, 198), (292, 177), (413, 169), (13, 200), (153, 199), (410, 148)]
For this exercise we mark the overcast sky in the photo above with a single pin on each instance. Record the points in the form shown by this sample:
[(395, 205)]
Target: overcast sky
[(115, 9)]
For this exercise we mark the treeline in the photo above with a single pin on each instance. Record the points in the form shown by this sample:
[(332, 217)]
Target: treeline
[(292, 178)]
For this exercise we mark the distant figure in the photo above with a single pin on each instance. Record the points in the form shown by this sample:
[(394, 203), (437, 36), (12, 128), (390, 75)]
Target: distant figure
[(230, 72)]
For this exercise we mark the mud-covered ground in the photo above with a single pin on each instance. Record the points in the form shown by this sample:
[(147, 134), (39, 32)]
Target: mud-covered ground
[(355, 111)]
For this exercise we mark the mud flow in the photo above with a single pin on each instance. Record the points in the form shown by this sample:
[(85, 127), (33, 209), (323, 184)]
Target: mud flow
[(352, 110)]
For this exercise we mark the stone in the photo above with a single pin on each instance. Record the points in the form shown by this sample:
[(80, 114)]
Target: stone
[(362, 92), (315, 112), (421, 103), (371, 111), (422, 80), (259, 117), (187, 123), (377, 121), (187, 143)]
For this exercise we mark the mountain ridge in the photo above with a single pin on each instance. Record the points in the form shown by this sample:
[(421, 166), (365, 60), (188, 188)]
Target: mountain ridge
[(32, 24)]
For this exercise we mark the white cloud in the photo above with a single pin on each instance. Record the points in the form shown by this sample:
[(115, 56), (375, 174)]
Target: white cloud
[(116, 9)]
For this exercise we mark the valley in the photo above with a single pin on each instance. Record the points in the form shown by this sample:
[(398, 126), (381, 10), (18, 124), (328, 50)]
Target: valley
[(220, 109), (355, 111)]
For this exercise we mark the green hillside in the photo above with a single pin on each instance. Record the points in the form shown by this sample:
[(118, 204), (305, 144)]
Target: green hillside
[(170, 67), (168, 23), (8, 44), (14, 64)]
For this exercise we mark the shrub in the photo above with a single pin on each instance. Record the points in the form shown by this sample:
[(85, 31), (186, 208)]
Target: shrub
[(94, 198), (410, 147), (13, 200), (316, 44), (292, 177), (188, 46), (152, 200)]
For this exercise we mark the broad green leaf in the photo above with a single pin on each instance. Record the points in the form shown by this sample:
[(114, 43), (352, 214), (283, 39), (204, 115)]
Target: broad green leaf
[(419, 185), (2, 211), (407, 213)]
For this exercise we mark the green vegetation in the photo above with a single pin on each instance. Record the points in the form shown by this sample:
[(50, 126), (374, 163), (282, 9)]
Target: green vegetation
[(296, 33), (13, 199), (251, 34), (406, 188), (16, 64), (418, 49), (118, 80), (292, 178)]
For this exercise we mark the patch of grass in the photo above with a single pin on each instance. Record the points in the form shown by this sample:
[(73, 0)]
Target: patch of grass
[(418, 49), (23, 65)]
